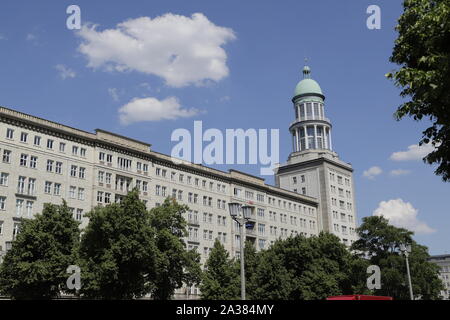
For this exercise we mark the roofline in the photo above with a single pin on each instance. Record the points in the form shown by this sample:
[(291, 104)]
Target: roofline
[(153, 155)]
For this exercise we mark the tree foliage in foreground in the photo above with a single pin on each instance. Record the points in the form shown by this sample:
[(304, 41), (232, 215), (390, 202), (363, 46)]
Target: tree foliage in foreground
[(220, 280), (128, 252), (422, 50), (118, 251), (380, 242), (35, 267), (174, 265), (296, 268)]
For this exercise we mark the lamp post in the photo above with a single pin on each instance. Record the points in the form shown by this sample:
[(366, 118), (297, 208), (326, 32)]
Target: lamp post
[(240, 214), (406, 249)]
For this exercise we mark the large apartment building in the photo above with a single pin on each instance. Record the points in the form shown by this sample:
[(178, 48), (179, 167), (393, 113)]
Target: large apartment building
[(43, 161), (443, 261)]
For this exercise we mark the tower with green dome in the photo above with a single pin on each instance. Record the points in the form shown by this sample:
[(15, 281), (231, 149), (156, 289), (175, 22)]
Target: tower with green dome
[(313, 168), (311, 130)]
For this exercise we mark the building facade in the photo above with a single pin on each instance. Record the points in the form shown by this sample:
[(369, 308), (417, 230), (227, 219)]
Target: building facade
[(443, 261), (313, 168), (46, 162)]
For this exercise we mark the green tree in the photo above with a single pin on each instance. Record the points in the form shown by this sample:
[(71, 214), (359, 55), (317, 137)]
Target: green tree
[(300, 268), (380, 242), (174, 265), (35, 267), (118, 251), (422, 49), (220, 279), (251, 263)]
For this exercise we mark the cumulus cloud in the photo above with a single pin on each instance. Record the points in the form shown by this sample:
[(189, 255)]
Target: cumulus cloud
[(181, 50), (399, 172), (65, 72), (402, 214), (414, 152), (372, 172), (152, 109)]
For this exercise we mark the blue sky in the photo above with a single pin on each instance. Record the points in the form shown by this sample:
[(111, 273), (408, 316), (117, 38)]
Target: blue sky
[(257, 51)]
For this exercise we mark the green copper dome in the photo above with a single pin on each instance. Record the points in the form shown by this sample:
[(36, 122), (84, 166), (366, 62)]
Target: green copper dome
[(307, 85)]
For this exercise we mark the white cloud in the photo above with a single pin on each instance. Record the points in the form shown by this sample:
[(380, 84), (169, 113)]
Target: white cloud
[(114, 94), (399, 172), (181, 50), (402, 214), (372, 172), (152, 109), (414, 152), (65, 72)]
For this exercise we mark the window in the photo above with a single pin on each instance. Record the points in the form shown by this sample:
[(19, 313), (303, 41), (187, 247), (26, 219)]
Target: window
[(19, 207), (4, 179), (109, 158), (72, 192), (21, 185), (9, 133), (101, 156), (6, 156), (58, 167), (294, 180), (108, 177), (158, 190), (37, 140), (82, 173), (261, 229), (2, 206), (73, 171), (124, 164), (62, 147), (47, 187), (75, 150), (57, 189), (145, 186), (107, 197), (99, 196), (23, 137), (83, 152), (79, 214), (49, 144), (49, 165), (145, 167), (29, 208), (1, 227), (80, 194), (16, 230), (23, 160), (163, 191), (33, 162)]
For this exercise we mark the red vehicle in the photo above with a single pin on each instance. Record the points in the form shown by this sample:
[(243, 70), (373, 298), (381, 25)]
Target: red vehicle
[(359, 297)]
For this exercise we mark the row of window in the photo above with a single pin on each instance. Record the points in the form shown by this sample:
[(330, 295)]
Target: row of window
[(76, 150), (342, 204), (344, 229), (348, 193), (180, 177), (340, 179), (342, 216)]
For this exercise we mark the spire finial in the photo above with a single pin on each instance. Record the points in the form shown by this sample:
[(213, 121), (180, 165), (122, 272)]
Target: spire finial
[(306, 70)]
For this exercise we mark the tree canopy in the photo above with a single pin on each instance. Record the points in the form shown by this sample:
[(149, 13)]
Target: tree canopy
[(380, 243), (35, 267), (422, 50)]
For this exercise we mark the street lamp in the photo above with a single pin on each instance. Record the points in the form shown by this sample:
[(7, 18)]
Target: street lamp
[(406, 250), (241, 214)]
